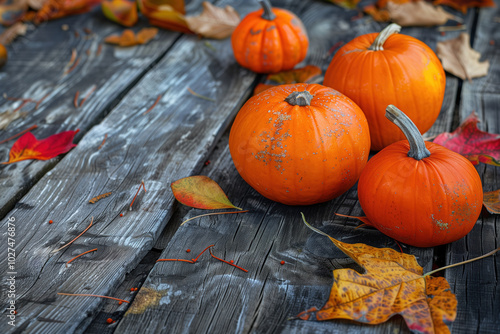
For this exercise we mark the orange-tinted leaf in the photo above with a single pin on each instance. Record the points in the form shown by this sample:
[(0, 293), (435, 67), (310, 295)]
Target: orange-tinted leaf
[(491, 201), (463, 5), (153, 5), (214, 22), (123, 12), (304, 74), (167, 14), (201, 192), (146, 34), (348, 4), (54, 9), (378, 14), (472, 143), (460, 59), (128, 38), (3, 61), (393, 284), (167, 18), (28, 147)]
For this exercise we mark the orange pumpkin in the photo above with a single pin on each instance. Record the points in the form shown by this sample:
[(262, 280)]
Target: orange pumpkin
[(420, 193), (376, 70), (300, 144), (270, 40)]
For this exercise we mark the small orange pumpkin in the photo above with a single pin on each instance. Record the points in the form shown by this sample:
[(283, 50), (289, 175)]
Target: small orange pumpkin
[(300, 144), (376, 70), (420, 193), (270, 40)]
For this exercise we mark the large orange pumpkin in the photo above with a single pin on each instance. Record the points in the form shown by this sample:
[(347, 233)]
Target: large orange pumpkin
[(420, 193), (376, 70), (300, 144), (270, 40)]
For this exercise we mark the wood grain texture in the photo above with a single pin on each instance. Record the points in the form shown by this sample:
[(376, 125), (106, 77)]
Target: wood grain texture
[(170, 142), (37, 69), (210, 296), (476, 284)]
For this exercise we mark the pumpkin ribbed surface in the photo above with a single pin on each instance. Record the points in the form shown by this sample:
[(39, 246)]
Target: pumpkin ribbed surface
[(406, 73), (300, 154), (270, 46), (423, 203)]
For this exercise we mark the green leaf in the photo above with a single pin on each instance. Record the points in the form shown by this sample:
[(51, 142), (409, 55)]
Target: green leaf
[(201, 192)]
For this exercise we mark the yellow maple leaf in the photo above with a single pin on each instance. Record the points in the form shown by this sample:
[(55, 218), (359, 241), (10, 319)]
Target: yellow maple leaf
[(392, 284)]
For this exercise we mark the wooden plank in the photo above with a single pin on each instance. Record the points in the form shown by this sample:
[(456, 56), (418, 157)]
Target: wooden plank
[(169, 142), (36, 69), (211, 296), (476, 284)]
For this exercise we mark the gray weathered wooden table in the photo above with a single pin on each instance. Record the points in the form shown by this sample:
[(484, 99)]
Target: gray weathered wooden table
[(177, 139)]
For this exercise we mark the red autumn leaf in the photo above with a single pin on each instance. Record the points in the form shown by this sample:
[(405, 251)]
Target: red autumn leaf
[(472, 143), (298, 75), (463, 5), (201, 192), (491, 201), (123, 12), (28, 147)]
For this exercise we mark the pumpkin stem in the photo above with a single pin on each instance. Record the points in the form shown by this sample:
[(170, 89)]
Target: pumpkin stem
[(418, 150), (378, 43), (268, 13), (299, 98)]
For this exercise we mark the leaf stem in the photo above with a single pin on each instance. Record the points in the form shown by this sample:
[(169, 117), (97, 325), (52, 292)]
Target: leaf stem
[(213, 214), (463, 262), (200, 96), (91, 295), (78, 236), (18, 134)]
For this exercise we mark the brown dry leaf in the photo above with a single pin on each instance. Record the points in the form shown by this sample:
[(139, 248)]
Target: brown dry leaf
[(392, 284), (9, 34), (460, 59), (418, 13), (491, 201), (146, 34), (214, 22)]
